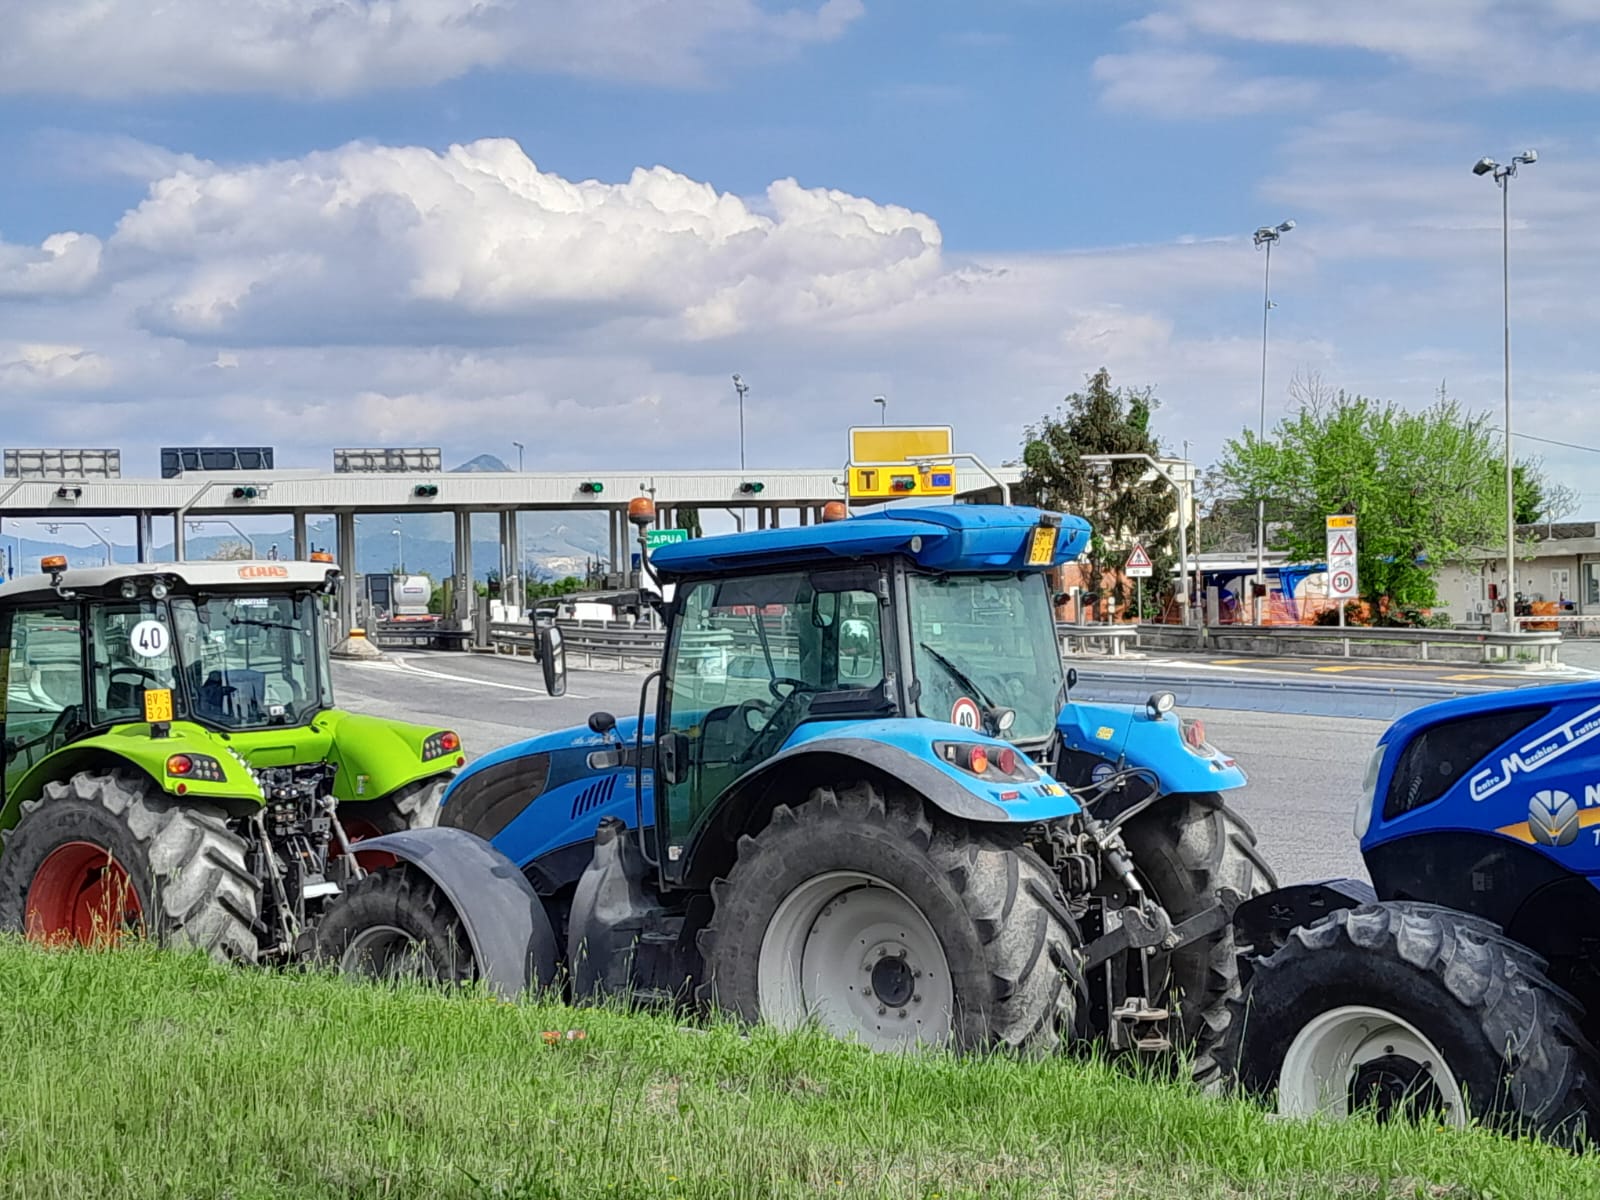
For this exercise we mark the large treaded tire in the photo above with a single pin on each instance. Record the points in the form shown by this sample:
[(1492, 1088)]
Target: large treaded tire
[(184, 864), (1508, 1035), (1010, 945), (414, 806), (398, 909), (1189, 847)]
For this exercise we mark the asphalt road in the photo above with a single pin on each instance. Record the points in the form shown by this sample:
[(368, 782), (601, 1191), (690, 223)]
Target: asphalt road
[(1304, 771)]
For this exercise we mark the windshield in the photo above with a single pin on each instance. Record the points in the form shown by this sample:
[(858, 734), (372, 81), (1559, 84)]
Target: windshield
[(251, 660), (981, 641)]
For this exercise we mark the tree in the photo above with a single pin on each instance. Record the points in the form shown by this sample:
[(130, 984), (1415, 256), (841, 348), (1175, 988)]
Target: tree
[(1121, 504), (1423, 486), (1540, 500), (229, 551)]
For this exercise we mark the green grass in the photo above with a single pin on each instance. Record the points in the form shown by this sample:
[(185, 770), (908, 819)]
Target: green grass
[(142, 1074)]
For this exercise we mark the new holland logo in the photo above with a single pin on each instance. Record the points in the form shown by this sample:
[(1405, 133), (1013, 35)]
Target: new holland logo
[(1553, 818), (1545, 748)]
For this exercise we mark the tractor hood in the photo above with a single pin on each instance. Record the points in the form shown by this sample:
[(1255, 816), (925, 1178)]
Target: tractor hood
[(954, 537)]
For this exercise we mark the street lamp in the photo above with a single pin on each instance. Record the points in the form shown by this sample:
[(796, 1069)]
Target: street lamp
[(740, 386), (194, 527), (1265, 236), (883, 409), (1104, 461), (400, 551), (518, 445), (1502, 176), (54, 526)]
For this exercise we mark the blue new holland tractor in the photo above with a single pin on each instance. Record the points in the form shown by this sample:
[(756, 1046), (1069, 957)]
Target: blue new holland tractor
[(862, 795), (1463, 984)]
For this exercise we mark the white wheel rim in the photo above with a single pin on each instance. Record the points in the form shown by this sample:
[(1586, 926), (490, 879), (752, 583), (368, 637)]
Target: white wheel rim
[(1333, 1048), (387, 952), (856, 956)]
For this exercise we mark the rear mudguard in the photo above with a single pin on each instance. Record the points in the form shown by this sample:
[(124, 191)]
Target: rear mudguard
[(504, 919), (1262, 922), (1126, 735)]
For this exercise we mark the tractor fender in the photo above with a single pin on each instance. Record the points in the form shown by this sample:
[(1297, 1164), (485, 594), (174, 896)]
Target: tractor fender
[(1127, 735), (504, 919), (1262, 922)]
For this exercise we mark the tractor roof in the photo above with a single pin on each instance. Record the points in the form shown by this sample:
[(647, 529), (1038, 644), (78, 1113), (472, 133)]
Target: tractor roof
[(244, 575), (952, 537)]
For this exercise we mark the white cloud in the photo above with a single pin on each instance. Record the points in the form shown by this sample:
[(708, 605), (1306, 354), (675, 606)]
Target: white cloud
[(34, 367), (61, 265), (112, 48), (368, 242), (1179, 84), (1530, 43)]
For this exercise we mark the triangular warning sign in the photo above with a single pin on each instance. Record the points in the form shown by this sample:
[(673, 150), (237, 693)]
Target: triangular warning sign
[(1342, 546), (1138, 558)]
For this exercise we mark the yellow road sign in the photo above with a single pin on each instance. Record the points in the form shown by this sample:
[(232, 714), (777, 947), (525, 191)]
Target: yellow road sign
[(880, 469), (878, 445), (897, 483), (1339, 521)]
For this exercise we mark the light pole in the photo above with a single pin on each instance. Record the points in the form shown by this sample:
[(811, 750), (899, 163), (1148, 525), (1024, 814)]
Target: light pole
[(400, 548), (194, 527), (1105, 461), (54, 526), (1265, 236), (740, 386), (518, 445), (1502, 176), (883, 409)]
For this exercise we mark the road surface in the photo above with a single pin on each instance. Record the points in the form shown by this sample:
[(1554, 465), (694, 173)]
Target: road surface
[(1304, 771)]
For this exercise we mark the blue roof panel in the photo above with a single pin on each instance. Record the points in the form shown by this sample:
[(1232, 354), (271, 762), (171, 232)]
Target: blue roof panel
[(955, 537)]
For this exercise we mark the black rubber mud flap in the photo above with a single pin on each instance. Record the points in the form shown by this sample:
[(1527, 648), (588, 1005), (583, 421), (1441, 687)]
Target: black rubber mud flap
[(505, 920)]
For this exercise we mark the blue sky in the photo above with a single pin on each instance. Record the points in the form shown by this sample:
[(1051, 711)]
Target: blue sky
[(244, 221)]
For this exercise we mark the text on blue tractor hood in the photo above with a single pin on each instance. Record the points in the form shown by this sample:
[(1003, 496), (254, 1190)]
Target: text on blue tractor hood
[(1538, 784), (945, 537)]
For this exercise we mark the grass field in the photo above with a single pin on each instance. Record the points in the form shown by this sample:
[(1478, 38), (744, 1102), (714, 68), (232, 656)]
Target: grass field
[(140, 1074)]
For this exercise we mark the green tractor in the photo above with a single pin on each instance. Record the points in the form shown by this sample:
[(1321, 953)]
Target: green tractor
[(174, 764)]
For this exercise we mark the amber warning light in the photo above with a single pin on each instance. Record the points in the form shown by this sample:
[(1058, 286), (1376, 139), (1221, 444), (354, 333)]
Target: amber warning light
[(53, 562)]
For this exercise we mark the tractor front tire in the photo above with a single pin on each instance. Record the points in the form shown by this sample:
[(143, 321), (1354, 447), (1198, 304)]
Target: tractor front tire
[(1187, 848), (1404, 1006), (106, 854), (395, 924), (894, 928)]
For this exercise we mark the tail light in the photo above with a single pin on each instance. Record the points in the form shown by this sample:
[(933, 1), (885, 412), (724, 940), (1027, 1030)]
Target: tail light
[(1194, 734)]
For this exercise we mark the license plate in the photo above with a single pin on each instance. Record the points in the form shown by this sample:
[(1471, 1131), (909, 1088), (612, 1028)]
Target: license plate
[(1042, 546), (157, 705)]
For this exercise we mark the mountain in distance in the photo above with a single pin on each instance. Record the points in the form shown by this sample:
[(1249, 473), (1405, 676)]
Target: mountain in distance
[(484, 462)]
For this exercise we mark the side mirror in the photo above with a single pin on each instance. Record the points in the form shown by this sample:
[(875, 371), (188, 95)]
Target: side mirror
[(602, 723), (1072, 678), (553, 658)]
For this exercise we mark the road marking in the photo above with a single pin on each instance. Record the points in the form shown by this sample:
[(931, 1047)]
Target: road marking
[(401, 664), (1468, 678)]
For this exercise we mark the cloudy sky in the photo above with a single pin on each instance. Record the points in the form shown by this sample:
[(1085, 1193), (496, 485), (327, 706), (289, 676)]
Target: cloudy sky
[(309, 223)]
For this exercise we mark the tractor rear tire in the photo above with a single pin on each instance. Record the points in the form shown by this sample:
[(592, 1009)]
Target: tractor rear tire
[(108, 853), (414, 806), (1187, 848), (1339, 1015), (395, 924), (894, 928)]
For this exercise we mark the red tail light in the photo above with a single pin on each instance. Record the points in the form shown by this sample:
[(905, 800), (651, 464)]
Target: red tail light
[(1194, 733), (977, 760), (450, 742), (1006, 760), (179, 764)]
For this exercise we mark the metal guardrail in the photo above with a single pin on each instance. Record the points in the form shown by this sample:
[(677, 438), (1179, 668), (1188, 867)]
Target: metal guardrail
[(1115, 638), (619, 647), (1495, 645)]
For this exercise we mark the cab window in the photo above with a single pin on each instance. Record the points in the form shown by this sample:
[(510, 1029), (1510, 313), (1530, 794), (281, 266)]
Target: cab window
[(42, 667), (753, 658)]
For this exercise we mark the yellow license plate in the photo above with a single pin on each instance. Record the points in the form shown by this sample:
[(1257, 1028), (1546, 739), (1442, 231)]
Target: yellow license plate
[(157, 705), (1042, 546)]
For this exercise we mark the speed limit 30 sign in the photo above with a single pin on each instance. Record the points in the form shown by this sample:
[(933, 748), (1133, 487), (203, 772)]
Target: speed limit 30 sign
[(1343, 580)]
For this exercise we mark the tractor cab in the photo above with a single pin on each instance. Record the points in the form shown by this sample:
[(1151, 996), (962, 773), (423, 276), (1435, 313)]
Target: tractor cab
[(940, 614), (235, 646)]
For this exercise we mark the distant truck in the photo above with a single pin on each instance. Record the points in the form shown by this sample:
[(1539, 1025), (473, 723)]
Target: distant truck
[(399, 598)]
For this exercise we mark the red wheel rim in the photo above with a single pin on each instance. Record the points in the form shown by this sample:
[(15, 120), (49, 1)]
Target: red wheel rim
[(81, 894), (359, 829)]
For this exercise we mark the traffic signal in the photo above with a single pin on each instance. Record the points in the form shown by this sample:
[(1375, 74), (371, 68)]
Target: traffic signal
[(425, 491), (244, 493), (591, 487), (751, 489), (904, 483)]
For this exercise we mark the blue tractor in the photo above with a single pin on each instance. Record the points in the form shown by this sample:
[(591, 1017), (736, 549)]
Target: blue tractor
[(1463, 984), (862, 796)]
